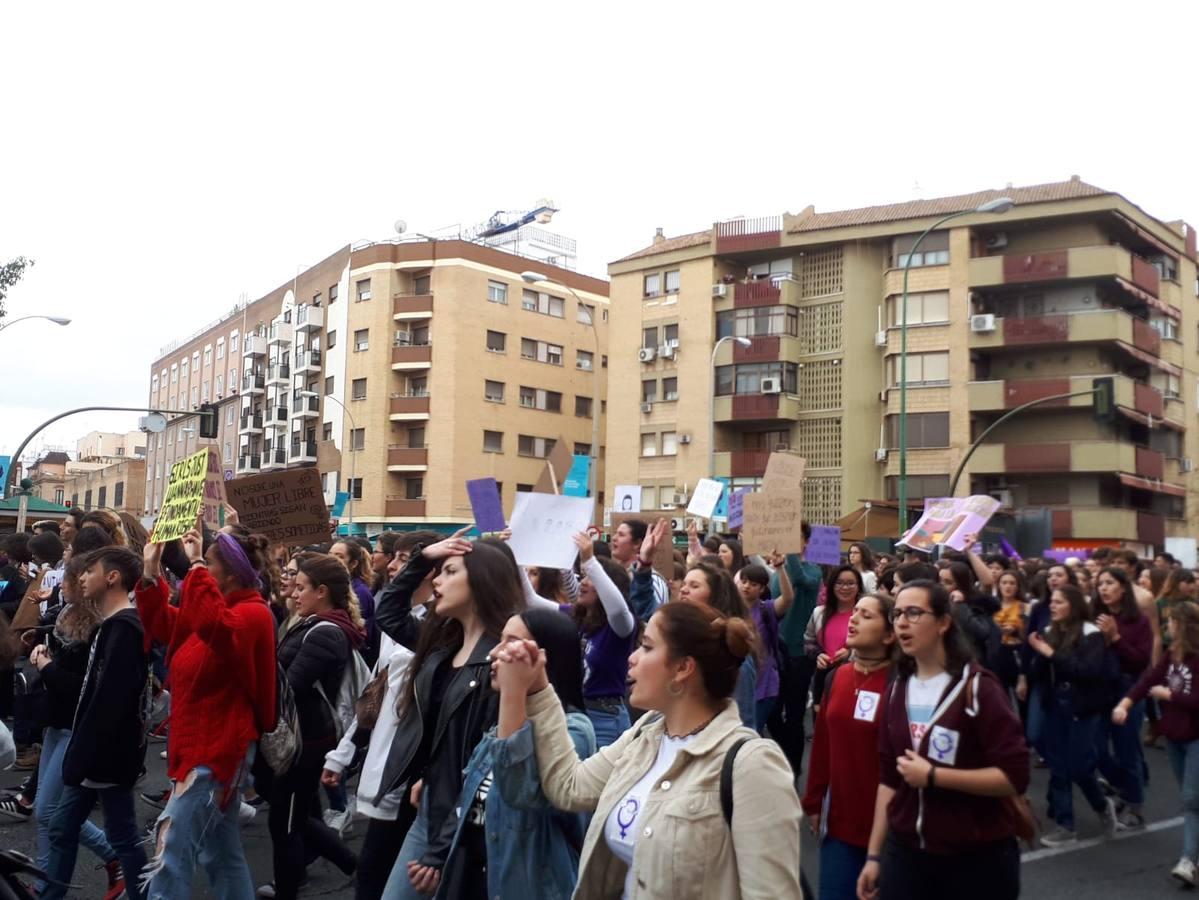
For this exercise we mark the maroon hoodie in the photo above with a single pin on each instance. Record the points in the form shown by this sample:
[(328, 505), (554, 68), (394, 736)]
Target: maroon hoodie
[(986, 734)]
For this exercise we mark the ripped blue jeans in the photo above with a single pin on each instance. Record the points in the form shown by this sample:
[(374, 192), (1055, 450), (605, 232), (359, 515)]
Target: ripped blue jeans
[(194, 829)]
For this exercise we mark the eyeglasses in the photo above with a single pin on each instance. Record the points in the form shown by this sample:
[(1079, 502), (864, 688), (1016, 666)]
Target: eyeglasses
[(912, 613)]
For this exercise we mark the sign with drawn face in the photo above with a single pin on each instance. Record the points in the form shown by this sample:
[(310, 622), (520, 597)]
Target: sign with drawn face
[(627, 498)]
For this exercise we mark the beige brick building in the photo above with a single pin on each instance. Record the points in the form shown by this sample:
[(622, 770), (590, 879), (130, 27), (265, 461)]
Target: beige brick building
[(1074, 282), (108, 444), (116, 485)]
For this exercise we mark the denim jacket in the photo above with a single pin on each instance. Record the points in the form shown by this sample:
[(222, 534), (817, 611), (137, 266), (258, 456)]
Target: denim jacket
[(532, 848)]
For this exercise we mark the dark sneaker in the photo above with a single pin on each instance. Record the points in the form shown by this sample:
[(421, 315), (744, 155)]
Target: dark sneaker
[(15, 809), (157, 799)]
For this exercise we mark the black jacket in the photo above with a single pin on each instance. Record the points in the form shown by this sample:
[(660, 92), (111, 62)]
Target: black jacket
[(393, 606), (974, 617), (108, 741), (1080, 671), (309, 654), (63, 677)]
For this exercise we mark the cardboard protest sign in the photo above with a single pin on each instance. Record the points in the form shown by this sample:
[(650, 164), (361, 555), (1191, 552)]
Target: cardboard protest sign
[(947, 520), (824, 547), (184, 498), (627, 499), (557, 467), (485, 504), (28, 614), (287, 506), (772, 521), (705, 497), (784, 471), (543, 528), (736, 507), (214, 492)]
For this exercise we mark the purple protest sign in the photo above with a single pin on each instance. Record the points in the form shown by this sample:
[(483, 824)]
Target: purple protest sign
[(737, 507), (824, 546), (486, 505)]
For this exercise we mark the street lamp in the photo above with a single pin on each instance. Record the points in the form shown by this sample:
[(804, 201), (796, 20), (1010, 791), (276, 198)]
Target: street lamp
[(353, 428), (998, 206), (534, 278), (57, 320), (741, 342)]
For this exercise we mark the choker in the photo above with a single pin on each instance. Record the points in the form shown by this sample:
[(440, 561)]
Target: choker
[(691, 733)]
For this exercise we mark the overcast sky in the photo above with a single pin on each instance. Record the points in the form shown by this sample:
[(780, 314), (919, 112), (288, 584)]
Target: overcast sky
[(159, 162)]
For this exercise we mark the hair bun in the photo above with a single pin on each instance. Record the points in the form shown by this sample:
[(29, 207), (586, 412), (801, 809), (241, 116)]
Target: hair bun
[(739, 637)]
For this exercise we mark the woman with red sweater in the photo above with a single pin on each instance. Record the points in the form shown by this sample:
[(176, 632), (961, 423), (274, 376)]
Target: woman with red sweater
[(839, 800), (221, 650)]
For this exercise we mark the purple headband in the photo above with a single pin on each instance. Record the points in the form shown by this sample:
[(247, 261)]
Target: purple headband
[(235, 558)]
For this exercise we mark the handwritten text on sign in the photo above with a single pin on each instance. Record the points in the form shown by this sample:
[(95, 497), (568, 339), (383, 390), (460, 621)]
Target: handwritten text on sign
[(772, 522), (288, 507), (184, 497)]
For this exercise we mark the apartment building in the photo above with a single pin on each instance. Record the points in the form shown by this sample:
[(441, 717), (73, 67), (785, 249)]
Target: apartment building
[(338, 369), (108, 444), (119, 485), (1072, 283)]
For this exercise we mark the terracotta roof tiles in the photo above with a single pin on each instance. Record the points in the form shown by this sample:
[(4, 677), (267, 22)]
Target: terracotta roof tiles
[(682, 242)]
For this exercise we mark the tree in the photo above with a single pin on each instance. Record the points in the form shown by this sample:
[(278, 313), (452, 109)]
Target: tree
[(10, 274)]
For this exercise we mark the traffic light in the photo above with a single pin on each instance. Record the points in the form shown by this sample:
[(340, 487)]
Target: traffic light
[(209, 420), (1105, 398)]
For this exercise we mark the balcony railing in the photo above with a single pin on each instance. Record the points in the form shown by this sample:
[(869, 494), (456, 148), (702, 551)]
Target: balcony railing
[(411, 306), (308, 359), (251, 422), (249, 463), (304, 405), (303, 449), (309, 317), (403, 508), (254, 381), (279, 372)]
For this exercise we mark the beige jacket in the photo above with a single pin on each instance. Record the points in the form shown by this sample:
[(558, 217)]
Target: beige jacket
[(684, 849)]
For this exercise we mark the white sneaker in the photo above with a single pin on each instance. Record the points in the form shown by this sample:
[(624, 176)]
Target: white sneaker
[(266, 890), (246, 813), (1108, 818), (341, 822), (162, 754), (1185, 872), (1059, 837)]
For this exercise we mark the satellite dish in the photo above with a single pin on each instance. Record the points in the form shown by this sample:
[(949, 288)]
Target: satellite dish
[(400, 226)]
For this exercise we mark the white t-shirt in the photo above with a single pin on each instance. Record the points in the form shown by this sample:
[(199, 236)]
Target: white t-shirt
[(923, 697), (622, 826)]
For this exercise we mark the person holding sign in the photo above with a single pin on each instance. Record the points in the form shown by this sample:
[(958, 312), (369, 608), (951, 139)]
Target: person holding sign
[(839, 798)]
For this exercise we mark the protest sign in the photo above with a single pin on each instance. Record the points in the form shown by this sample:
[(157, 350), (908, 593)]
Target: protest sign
[(784, 471), (543, 528), (557, 467), (736, 507), (214, 492), (772, 521), (485, 504), (627, 499), (824, 546), (575, 483), (705, 497), (287, 506), (947, 520), (184, 498)]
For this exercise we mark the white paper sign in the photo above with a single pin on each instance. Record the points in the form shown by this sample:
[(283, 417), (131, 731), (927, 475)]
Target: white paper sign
[(543, 528), (704, 499), (628, 498)]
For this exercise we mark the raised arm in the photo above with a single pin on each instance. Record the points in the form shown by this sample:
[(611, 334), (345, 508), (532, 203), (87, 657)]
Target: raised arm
[(153, 598), (786, 594), (533, 600), (616, 608)]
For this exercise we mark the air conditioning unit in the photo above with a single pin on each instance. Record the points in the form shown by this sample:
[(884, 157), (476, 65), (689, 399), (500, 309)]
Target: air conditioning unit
[(684, 439), (720, 291), (771, 386), (666, 351), (880, 338), (678, 499), (982, 323), (647, 407), (880, 455), (1004, 497), (678, 524), (997, 241), (1185, 464), (646, 354)]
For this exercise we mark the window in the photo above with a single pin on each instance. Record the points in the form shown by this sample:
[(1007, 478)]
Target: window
[(649, 496), (541, 351), (582, 449), (355, 487), (422, 284), (154, 383), (208, 355), (175, 372), (196, 395), (228, 452), (497, 292), (195, 361), (528, 445), (919, 486), (1165, 326), (233, 380), (493, 391), (649, 338), (220, 348), (649, 390), (747, 377), (416, 438), (87, 499), (118, 494), (758, 321), (670, 389), (923, 368), (524, 489), (357, 438), (332, 294), (102, 500), (496, 341), (585, 314), (653, 285), (233, 342), (934, 250), (362, 340), (583, 406), (163, 377), (329, 384), (331, 340), (546, 304), (923, 309), (536, 398), (669, 443), (364, 289), (924, 430), (670, 334), (220, 386), (358, 389), (327, 431), (493, 442), (230, 412), (672, 281), (585, 360), (649, 445)]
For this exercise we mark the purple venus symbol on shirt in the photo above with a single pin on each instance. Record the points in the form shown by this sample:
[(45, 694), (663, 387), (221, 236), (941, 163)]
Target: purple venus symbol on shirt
[(630, 807)]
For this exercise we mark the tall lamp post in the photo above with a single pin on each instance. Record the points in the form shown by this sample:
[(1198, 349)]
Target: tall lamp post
[(998, 206), (596, 403), (57, 320), (353, 428), (741, 342)]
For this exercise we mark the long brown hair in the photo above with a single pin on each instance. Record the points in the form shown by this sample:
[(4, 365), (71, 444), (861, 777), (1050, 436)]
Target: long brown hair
[(1185, 638), (328, 572), (360, 562), (591, 619), (1066, 635)]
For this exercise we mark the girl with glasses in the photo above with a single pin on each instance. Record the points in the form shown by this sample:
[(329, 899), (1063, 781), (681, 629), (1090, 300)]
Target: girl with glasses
[(824, 639)]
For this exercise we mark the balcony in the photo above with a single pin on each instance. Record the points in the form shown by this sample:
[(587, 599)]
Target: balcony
[(279, 373), (276, 415), (251, 423), (741, 463), (280, 333), (757, 408), (1073, 328), (407, 459), (1108, 261), (411, 306), (253, 345), (399, 508), (411, 356), (307, 362), (303, 451), (997, 396), (746, 235), (253, 383), (409, 408), (306, 407), (249, 463), (309, 318), (1107, 523), (1074, 456), (275, 458)]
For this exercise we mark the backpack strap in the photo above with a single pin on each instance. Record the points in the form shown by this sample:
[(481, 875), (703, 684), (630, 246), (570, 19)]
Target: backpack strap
[(726, 779)]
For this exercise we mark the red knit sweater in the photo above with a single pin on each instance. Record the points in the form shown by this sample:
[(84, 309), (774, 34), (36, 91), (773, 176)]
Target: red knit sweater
[(221, 658)]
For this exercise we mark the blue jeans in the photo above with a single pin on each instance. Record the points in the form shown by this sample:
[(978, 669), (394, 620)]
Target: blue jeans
[(415, 844), (608, 725), (840, 865), (762, 710), (1121, 758), (120, 825), (1184, 760), (49, 792), (1035, 728), (193, 828), (1069, 744)]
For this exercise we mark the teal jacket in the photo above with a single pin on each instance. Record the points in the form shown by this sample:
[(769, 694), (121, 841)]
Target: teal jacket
[(805, 578)]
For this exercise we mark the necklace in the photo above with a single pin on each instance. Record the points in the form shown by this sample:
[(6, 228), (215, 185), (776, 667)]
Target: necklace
[(860, 675), (691, 733)]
